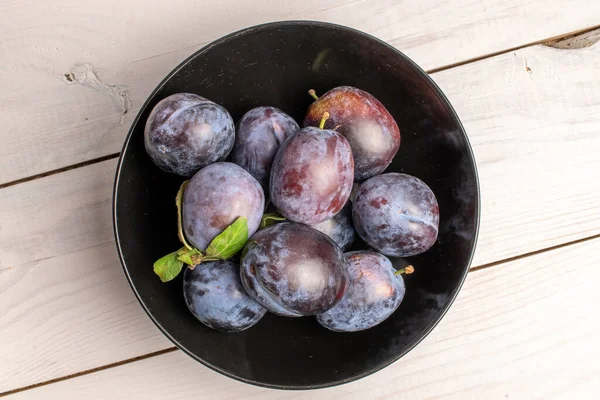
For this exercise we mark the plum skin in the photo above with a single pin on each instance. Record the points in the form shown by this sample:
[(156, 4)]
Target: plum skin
[(374, 293), (214, 294), (339, 228), (215, 197), (185, 132), (260, 132), (293, 270), (312, 176), (370, 129), (396, 214)]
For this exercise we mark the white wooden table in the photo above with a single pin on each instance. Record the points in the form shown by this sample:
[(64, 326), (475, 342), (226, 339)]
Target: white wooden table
[(524, 326)]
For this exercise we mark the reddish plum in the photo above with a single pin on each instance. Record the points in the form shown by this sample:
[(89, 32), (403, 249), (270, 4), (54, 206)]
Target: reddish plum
[(312, 175), (293, 270), (370, 129)]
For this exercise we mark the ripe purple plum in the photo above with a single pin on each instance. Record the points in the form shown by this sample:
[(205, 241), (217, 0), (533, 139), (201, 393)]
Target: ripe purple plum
[(214, 293), (373, 294), (185, 132), (260, 132), (396, 214), (215, 197), (369, 127), (339, 228), (293, 270), (312, 175)]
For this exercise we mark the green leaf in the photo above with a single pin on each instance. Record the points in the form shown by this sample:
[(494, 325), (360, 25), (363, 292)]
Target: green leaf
[(230, 241), (179, 203), (186, 258), (168, 267), (269, 219)]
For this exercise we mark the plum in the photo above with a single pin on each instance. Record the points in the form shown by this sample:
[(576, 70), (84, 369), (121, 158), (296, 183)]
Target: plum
[(339, 228), (396, 214), (370, 129), (374, 293), (215, 197), (293, 270), (260, 132), (214, 293), (312, 175), (185, 132)]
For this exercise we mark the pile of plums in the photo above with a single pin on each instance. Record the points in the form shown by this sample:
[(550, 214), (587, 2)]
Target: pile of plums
[(326, 179)]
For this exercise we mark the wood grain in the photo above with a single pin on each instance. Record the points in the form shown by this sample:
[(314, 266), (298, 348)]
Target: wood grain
[(66, 307), (63, 295), (49, 123), (527, 330), (533, 118)]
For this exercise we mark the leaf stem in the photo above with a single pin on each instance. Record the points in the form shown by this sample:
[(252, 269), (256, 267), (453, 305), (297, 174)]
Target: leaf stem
[(269, 219), (223, 246), (179, 204)]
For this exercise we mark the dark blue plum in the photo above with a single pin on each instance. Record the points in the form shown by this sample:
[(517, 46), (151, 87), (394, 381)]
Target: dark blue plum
[(312, 176), (293, 270), (186, 132), (396, 214), (260, 132), (215, 197), (339, 228), (214, 294), (373, 294)]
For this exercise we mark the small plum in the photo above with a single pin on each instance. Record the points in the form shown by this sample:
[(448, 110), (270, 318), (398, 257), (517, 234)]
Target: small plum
[(214, 293), (185, 132), (260, 132), (339, 228)]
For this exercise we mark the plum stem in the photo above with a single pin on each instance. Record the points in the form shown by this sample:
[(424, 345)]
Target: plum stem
[(322, 123), (313, 94), (409, 269)]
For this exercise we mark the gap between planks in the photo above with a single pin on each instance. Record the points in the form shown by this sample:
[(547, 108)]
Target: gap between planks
[(548, 41), (90, 371), (172, 349), (533, 253)]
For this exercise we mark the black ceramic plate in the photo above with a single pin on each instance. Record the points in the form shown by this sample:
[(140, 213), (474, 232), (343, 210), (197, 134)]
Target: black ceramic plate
[(275, 64)]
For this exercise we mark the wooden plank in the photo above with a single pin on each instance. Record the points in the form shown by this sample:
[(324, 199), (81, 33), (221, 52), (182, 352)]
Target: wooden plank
[(63, 295), (526, 206), (533, 118), (49, 122), (526, 330)]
